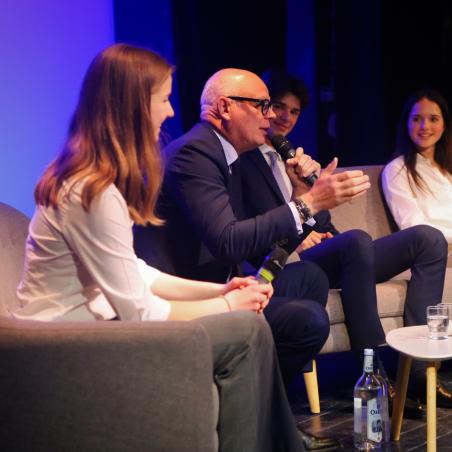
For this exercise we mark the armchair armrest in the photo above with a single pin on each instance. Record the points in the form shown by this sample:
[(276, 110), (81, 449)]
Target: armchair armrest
[(116, 386)]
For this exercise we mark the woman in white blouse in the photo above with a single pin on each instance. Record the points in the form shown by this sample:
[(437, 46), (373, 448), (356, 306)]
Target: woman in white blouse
[(418, 183), (80, 263)]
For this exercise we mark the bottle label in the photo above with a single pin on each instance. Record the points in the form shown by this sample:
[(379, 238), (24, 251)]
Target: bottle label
[(357, 414), (374, 422), (368, 363)]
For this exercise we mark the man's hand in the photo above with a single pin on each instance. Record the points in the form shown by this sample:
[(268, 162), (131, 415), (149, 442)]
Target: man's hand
[(314, 238), (299, 167), (330, 189)]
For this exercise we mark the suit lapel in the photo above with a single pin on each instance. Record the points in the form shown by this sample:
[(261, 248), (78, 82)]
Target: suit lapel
[(235, 189), (233, 180)]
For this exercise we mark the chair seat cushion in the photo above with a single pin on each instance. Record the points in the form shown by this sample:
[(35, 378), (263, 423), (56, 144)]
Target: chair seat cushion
[(390, 299), (338, 340)]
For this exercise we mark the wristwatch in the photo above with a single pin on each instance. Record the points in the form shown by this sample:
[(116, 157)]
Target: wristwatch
[(303, 210)]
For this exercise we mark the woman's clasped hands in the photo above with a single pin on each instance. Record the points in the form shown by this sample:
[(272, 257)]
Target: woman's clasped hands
[(246, 294)]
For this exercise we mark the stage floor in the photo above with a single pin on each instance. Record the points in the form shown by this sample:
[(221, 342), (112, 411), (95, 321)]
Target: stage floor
[(337, 375)]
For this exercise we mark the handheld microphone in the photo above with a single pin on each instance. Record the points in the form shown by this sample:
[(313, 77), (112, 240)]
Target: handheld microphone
[(285, 149), (272, 265)]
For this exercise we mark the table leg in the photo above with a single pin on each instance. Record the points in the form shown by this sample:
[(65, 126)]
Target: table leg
[(403, 372), (431, 406)]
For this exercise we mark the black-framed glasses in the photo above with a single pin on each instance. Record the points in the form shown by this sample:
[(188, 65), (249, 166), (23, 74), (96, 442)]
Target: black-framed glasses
[(264, 104)]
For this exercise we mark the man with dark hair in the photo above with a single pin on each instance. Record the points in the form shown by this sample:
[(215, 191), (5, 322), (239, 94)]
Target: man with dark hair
[(351, 260), (283, 83)]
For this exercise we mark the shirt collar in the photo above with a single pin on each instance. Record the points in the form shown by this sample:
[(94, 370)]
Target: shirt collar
[(264, 148), (422, 159), (229, 151)]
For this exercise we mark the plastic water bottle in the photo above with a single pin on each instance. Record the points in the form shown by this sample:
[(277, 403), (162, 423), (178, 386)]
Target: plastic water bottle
[(368, 425)]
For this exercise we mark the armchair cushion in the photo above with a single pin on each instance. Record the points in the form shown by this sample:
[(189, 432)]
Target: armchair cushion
[(116, 386)]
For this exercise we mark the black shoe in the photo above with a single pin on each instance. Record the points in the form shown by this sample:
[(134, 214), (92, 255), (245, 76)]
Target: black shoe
[(413, 406), (443, 396), (414, 409), (312, 442)]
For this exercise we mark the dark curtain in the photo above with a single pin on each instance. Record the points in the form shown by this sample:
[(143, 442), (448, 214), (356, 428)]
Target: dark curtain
[(417, 52), (211, 35), (370, 56)]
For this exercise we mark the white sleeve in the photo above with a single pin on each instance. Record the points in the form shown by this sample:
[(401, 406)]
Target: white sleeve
[(297, 219), (102, 239), (397, 191)]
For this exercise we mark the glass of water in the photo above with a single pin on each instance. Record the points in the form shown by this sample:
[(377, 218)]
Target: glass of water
[(449, 306), (437, 321)]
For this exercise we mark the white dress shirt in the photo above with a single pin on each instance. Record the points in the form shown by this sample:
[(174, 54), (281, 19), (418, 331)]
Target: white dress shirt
[(432, 207), (266, 150), (81, 265), (230, 153)]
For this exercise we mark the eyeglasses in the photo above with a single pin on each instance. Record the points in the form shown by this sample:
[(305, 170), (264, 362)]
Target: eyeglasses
[(264, 104)]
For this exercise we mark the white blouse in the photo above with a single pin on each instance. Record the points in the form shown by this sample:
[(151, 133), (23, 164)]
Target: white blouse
[(433, 207), (81, 265)]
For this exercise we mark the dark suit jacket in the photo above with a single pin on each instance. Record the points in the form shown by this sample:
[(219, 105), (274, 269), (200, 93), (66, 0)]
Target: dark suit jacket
[(206, 232), (261, 194)]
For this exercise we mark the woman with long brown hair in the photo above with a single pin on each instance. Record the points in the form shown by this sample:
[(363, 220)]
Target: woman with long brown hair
[(418, 183), (80, 263)]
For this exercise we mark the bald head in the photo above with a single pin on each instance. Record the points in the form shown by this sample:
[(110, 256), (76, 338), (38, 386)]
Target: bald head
[(241, 120), (228, 82)]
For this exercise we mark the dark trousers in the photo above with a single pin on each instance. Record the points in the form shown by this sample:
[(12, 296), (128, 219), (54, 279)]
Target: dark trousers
[(297, 317), (254, 414), (355, 263)]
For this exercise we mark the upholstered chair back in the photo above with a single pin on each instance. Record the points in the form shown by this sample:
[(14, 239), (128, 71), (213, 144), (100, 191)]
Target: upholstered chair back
[(369, 212), (13, 232)]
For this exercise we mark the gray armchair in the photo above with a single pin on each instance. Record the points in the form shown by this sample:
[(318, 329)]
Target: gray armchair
[(100, 386), (370, 214)]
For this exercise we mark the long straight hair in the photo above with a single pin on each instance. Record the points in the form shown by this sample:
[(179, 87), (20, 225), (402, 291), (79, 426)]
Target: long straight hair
[(406, 147), (111, 138)]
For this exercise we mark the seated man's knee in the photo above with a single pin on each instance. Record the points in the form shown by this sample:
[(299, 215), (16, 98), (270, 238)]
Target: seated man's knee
[(303, 280), (358, 243), (308, 269), (309, 320), (429, 239)]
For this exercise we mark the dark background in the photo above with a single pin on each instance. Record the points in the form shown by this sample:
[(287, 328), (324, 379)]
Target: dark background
[(360, 60)]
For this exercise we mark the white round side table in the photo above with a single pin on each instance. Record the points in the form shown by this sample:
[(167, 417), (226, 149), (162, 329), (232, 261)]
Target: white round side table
[(412, 342)]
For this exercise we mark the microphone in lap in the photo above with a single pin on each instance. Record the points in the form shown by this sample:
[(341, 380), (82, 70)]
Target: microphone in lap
[(272, 265), (285, 149)]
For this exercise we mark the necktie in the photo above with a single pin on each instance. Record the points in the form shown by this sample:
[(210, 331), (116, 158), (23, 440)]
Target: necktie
[(276, 170)]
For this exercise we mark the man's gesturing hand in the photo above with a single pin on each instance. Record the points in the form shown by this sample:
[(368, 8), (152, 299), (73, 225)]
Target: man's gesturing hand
[(330, 189)]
